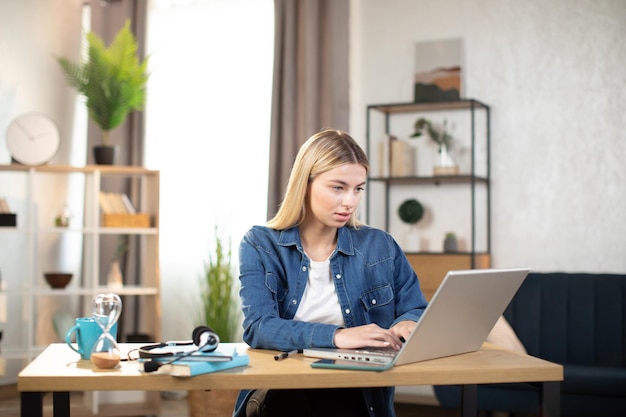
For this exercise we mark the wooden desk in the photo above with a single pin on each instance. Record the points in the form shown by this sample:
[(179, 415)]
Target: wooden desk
[(58, 370)]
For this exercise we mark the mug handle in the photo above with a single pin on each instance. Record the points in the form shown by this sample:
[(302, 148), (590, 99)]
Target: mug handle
[(68, 339)]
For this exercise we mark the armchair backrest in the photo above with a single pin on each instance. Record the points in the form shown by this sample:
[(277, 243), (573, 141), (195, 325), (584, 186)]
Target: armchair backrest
[(572, 318)]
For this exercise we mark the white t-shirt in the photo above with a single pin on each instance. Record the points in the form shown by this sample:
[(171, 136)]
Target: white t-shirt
[(319, 302)]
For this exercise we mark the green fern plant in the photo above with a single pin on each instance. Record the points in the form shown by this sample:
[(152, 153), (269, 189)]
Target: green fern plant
[(112, 79), (219, 307)]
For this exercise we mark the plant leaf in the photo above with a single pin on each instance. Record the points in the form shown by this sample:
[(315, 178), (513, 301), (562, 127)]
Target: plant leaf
[(112, 79)]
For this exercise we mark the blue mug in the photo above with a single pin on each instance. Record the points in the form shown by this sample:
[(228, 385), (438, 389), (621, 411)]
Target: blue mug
[(87, 332)]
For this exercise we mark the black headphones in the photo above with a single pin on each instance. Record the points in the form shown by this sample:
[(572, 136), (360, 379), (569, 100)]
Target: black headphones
[(203, 337)]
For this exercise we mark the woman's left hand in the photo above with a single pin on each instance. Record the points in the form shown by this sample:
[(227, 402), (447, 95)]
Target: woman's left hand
[(403, 329)]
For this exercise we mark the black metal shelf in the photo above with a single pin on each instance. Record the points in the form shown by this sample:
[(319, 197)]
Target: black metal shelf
[(436, 180), (471, 180), (463, 104)]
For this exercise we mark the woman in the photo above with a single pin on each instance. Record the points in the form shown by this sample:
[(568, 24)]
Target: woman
[(307, 278)]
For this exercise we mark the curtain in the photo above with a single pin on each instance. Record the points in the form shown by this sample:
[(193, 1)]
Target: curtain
[(107, 18), (310, 84)]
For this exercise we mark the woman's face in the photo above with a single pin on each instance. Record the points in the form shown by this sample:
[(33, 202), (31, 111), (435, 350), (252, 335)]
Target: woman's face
[(333, 197)]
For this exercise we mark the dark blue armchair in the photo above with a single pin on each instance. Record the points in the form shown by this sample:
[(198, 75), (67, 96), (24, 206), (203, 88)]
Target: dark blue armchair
[(574, 319)]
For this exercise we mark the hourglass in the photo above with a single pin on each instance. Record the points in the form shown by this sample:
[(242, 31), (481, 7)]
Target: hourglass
[(106, 311)]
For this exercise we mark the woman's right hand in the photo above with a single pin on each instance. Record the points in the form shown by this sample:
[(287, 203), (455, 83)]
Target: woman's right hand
[(369, 335)]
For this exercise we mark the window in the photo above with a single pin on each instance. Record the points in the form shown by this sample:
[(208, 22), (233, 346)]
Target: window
[(207, 128)]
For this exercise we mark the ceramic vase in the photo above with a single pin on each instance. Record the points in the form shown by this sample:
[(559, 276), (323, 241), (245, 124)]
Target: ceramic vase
[(114, 277), (445, 164), (449, 244)]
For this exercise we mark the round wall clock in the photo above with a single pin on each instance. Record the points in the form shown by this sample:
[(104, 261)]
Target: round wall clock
[(32, 139)]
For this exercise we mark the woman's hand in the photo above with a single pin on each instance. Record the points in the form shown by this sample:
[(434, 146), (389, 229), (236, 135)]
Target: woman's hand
[(370, 335), (403, 329)]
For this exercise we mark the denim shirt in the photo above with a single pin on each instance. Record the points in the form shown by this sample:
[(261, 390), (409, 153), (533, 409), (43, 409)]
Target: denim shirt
[(374, 282)]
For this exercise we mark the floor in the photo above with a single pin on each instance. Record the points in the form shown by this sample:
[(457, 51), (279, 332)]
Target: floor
[(174, 404)]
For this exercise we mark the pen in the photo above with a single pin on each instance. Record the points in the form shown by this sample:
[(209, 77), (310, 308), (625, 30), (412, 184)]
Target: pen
[(284, 355)]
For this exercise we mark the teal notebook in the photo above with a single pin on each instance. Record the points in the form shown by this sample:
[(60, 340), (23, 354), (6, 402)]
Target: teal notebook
[(187, 368), (192, 368)]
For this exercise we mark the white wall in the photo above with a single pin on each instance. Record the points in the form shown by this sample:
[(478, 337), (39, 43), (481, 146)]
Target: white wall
[(32, 34), (553, 74)]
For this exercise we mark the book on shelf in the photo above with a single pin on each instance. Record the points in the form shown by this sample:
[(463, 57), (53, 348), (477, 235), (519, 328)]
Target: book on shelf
[(116, 203), (130, 209), (402, 158), (224, 357), (384, 155), (396, 157)]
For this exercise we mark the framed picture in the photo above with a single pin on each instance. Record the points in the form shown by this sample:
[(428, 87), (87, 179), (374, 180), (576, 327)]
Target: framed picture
[(438, 71)]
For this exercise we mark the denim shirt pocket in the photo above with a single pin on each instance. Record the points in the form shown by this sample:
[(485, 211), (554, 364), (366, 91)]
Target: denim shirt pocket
[(273, 284), (379, 306)]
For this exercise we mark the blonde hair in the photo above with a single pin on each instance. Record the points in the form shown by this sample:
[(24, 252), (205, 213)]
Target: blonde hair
[(322, 152)]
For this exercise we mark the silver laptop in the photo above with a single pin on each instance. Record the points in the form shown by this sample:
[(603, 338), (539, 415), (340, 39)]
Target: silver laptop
[(457, 320)]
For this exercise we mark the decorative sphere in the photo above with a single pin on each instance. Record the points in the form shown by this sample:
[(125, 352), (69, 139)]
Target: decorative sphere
[(411, 211)]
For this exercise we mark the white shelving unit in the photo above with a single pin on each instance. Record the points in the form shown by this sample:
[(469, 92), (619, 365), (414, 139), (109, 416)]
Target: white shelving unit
[(28, 305)]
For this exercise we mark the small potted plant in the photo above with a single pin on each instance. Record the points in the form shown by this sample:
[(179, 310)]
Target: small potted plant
[(449, 243), (113, 81), (410, 212), (218, 302), (440, 135)]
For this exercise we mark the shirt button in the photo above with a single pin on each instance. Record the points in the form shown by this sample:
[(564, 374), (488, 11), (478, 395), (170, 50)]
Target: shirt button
[(374, 301), (347, 310), (294, 302), (304, 268), (338, 276)]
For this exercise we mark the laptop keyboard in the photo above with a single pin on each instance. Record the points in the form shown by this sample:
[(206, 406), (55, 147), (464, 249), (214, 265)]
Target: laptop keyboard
[(378, 351)]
